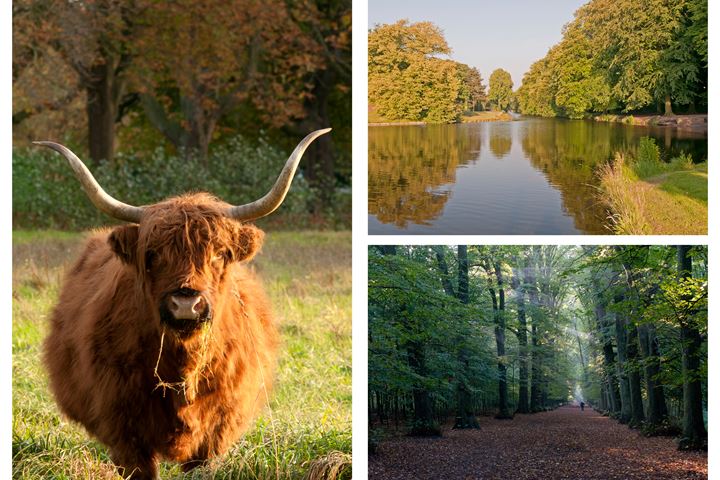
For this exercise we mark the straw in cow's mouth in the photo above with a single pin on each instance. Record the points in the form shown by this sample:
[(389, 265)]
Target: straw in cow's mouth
[(196, 373)]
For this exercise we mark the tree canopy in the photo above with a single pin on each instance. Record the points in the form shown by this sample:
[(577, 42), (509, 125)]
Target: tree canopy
[(410, 80), (626, 56), (501, 89), (132, 76)]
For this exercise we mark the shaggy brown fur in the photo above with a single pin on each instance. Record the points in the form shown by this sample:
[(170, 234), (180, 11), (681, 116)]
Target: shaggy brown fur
[(146, 390)]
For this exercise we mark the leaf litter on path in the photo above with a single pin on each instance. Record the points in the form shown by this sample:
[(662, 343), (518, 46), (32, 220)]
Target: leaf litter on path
[(563, 444)]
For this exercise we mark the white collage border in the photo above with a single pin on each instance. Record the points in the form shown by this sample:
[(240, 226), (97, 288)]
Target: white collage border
[(361, 240)]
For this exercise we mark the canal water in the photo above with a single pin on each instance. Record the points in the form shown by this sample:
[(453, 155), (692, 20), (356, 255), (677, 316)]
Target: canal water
[(529, 176)]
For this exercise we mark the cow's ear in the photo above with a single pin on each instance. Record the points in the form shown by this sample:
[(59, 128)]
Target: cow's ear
[(123, 242), (246, 242)]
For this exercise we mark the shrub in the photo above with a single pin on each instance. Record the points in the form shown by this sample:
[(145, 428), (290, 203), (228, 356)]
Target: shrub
[(683, 162), (425, 428), (663, 429), (375, 437), (47, 195), (648, 161)]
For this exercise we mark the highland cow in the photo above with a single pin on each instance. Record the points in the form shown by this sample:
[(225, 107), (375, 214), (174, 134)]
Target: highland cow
[(163, 344)]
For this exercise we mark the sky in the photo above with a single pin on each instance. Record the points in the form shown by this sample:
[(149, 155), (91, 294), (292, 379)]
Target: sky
[(509, 34)]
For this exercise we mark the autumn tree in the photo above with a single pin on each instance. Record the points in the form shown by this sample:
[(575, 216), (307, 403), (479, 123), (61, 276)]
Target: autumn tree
[(475, 95), (242, 52), (408, 81), (500, 94), (328, 25), (94, 38)]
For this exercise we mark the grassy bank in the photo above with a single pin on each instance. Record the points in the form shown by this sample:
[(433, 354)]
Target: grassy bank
[(646, 196), (490, 116), (375, 119), (308, 423)]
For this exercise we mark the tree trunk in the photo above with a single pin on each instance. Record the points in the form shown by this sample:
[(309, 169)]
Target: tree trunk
[(668, 106), (694, 433), (603, 324), (504, 411), (536, 365), (103, 89), (524, 399), (657, 409), (622, 360), (636, 403), (465, 417), (320, 164), (463, 280)]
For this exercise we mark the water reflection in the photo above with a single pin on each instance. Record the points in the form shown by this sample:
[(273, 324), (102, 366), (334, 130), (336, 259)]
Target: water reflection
[(413, 168), (500, 138), (536, 177)]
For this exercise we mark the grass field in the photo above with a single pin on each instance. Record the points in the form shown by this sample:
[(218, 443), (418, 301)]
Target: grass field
[(306, 430)]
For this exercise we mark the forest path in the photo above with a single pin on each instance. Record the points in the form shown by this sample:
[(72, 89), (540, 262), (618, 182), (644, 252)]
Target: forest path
[(563, 444)]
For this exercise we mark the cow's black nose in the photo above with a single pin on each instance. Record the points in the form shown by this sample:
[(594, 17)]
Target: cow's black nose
[(184, 307)]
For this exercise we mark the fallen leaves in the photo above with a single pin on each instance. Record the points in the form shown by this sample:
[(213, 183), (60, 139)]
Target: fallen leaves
[(562, 444)]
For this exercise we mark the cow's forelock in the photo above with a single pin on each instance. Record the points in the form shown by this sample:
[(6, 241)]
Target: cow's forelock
[(188, 244)]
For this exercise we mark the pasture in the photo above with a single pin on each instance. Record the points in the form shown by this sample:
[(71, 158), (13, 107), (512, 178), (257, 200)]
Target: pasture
[(305, 431)]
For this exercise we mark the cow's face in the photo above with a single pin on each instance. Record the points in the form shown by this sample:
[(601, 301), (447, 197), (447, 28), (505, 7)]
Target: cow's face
[(182, 251)]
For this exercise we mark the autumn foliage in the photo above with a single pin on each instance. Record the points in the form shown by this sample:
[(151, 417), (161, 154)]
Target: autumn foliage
[(128, 76)]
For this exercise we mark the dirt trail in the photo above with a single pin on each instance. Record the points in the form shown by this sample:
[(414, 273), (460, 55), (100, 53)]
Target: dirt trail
[(562, 444)]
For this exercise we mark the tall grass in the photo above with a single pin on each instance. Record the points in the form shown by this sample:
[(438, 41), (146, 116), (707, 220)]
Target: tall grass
[(625, 203), (306, 430), (646, 195)]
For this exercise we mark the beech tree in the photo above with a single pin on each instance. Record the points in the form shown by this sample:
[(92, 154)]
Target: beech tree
[(623, 56)]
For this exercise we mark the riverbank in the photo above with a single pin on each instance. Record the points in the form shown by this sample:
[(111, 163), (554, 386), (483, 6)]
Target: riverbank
[(376, 120), (694, 123), (476, 117), (673, 202)]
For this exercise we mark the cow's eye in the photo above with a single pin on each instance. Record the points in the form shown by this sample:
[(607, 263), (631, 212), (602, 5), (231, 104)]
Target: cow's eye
[(220, 259), (150, 259)]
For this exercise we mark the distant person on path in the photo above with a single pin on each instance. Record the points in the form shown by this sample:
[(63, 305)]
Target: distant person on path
[(582, 406)]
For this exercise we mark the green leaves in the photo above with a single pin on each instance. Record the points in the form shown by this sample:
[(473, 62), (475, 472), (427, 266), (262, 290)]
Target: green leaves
[(501, 93), (407, 79), (622, 55)]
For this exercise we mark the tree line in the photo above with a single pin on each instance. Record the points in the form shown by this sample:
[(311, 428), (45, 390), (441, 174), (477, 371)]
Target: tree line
[(410, 76), (623, 56), (131, 75), (457, 332)]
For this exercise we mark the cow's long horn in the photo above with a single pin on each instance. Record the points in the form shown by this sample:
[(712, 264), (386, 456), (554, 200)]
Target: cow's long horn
[(98, 196), (272, 200)]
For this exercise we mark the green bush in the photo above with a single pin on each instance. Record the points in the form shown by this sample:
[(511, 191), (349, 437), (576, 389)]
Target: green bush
[(425, 428), (648, 163), (47, 195), (683, 162)]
